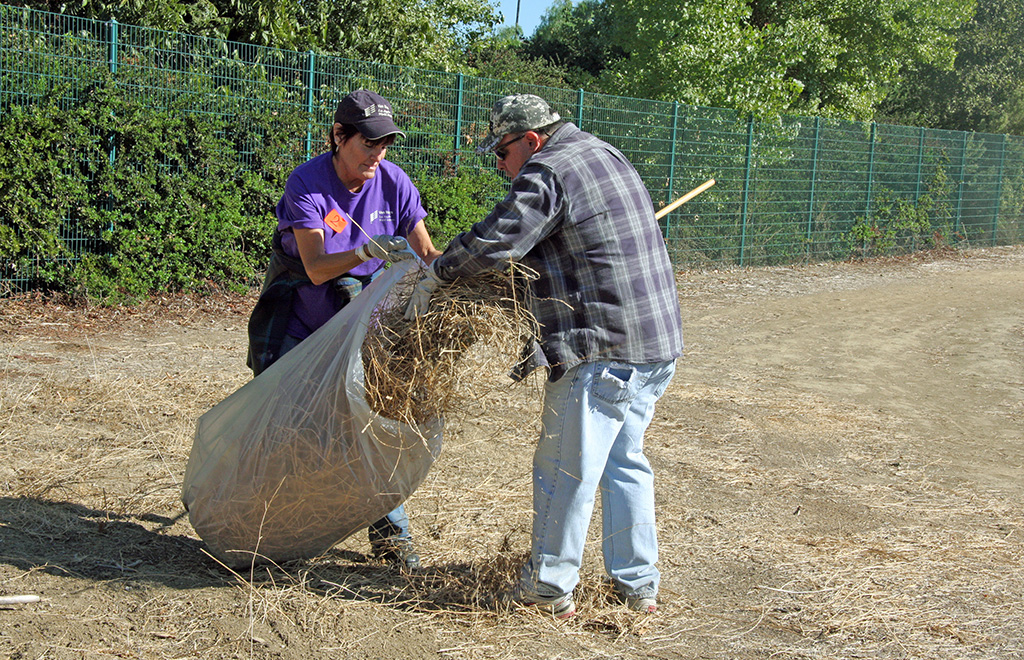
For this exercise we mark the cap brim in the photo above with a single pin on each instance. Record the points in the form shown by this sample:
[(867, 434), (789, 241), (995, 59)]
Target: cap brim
[(376, 135), (490, 142), (375, 129)]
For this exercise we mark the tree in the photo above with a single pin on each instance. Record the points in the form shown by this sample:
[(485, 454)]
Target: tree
[(983, 91), (852, 52), (506, 56), (574, 38), (833, 57), (1012, 116), (699, 52), (424, 33)]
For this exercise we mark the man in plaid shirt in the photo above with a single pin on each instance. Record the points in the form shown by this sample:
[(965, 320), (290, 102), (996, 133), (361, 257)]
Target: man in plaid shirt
[(610, 331)]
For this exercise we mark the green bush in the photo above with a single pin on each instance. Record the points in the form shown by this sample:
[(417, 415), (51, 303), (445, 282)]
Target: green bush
[(162, 197), (900, 225), (45, 156), (454, 201)]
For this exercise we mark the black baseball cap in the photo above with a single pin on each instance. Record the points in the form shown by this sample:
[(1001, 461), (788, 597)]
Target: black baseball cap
[(369, 112)]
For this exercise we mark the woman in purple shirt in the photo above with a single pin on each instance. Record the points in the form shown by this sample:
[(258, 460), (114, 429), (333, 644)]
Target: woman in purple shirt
[(323, 254)]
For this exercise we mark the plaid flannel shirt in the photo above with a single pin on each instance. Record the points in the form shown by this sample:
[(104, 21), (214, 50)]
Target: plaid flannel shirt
[(579, 214)]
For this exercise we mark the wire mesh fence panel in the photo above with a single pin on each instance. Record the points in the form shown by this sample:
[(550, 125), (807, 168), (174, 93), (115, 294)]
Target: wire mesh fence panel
[(789, 190), (777, 189), (240, 84), (53, 59), (979, 207), (43, 53), (1008, 228), (710, 144)]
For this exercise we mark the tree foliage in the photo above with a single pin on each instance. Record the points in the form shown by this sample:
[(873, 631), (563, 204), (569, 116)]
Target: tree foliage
[(837, 58), (700, 52), (422, 33), (852, 52), (983, 91), (193, 16), (505, 56), (574, 37)]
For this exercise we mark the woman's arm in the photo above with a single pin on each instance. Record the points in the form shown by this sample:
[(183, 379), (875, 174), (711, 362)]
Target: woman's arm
[(419, 241), (320, 266)]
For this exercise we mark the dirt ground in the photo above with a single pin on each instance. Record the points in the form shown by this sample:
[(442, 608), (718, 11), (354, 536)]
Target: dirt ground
[(839, 462)]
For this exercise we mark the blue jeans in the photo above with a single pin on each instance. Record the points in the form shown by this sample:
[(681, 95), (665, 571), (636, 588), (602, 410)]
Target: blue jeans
[(592, 437), (392, 527), (395, 525)]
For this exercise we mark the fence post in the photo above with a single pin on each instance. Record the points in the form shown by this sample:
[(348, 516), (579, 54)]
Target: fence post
[(871, 170), (746, 188), (112, 46), (814, 178), (672, 164), (458, 117), (960, 188), (920, 165), (999, 189), (579, 109), (111, 141), (310, 74)]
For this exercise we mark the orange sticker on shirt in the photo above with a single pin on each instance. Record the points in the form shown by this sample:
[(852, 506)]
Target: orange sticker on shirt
[(335, 221)]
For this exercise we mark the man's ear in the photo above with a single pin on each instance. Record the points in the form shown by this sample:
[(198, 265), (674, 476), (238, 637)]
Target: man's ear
[(535, 139)]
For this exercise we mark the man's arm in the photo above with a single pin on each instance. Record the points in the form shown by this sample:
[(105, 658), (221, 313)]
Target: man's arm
[(529, 213)]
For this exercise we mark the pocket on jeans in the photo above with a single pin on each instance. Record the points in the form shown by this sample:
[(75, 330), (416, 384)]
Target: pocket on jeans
[(616, 383)]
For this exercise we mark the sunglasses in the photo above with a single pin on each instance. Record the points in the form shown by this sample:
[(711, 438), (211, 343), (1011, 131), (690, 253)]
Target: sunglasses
[(502, 151)]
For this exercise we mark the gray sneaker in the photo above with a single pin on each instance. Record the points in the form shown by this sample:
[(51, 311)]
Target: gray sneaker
[(560, 607), (400, 553), (646, 605)]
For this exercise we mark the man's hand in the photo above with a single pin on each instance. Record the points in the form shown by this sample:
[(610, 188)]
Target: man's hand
[(421, 294), (386, 247)]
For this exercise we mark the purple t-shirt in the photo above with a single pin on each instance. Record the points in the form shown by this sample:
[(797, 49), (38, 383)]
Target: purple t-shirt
[(315, 198)]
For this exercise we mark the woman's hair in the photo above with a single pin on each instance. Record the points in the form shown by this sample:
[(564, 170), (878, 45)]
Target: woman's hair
[(348, 130)]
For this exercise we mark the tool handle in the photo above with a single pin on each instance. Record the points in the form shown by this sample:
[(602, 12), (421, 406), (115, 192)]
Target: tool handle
[(685, 198)]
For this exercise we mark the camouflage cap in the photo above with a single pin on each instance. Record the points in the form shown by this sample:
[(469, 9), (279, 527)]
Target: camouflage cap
[(517, 113)]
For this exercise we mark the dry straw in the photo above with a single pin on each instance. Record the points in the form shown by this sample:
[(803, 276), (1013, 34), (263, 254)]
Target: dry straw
[(413, 367), (310, 480)]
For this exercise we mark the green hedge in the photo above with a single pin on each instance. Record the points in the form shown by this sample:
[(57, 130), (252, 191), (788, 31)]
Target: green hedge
[(162, 196)]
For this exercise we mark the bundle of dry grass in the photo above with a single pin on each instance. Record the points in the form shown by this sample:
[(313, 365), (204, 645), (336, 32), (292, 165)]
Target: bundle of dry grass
[(413, 367)]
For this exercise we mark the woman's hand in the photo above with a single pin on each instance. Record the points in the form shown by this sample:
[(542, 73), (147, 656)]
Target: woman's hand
[(385, 247)]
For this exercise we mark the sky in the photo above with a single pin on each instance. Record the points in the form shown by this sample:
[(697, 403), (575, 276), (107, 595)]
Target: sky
[(530, 12)]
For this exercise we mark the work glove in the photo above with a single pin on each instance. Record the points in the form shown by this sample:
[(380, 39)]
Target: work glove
[(421, 293), (386, 247)]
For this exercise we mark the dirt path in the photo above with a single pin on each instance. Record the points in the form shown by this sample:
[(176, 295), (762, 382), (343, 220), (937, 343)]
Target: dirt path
[(840, 471), (935, 346)]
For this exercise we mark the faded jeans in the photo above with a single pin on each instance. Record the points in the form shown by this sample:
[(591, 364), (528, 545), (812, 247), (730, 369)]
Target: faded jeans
[(592, 437)]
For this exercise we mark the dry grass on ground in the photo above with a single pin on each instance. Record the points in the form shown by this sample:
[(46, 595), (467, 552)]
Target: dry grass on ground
[(840, 475)]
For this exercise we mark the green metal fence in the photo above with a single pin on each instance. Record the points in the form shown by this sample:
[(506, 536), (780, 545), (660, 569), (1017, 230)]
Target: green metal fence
[(791, 190)]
